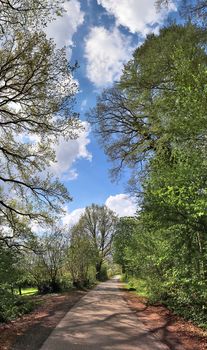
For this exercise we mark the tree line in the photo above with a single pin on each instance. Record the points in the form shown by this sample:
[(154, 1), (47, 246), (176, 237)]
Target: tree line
[(60, 259), (153, 121)]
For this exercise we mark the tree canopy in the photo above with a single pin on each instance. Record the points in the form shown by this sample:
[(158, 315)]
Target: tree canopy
[(195, 10), (21, 15), (98, 223), (144, 112), (36, 108)]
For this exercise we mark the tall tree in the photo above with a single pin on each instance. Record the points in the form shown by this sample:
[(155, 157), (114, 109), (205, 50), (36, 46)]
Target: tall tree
[(22, 14), (135, 118), (99, 224), (36, 108)]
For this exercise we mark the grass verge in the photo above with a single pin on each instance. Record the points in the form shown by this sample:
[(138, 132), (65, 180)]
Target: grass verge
[(27, 291)]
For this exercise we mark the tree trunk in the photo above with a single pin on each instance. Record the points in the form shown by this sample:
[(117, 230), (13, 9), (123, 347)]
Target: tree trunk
[(98, 270)]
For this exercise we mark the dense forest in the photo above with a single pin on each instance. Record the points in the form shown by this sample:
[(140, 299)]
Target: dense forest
[(152, 121)]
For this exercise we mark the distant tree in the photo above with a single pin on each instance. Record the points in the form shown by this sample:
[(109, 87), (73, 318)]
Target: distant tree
[(13, 272), (46, 264), (99, 224), (81, 255), (8, 275)]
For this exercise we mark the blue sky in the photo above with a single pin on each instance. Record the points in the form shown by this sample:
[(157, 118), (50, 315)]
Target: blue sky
[(101, 35)]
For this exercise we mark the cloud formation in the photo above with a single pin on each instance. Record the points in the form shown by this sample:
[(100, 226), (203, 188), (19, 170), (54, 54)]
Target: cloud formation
[(71, 218), (63, 28), (68, 151), (105, 53), (122, 204), (137, 16)]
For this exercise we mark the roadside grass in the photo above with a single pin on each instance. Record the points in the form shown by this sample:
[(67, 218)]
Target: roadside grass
[(26, 291), (138, 286)]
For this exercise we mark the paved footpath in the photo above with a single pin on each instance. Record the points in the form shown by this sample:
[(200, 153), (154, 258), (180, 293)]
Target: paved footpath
[(102, 320)]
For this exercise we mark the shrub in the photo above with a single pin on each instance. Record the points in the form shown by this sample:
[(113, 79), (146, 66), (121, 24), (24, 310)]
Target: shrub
[(12, 306)]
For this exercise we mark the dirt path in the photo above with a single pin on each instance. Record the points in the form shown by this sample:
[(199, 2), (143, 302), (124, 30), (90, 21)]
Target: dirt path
[(30, 331), (102, 320)]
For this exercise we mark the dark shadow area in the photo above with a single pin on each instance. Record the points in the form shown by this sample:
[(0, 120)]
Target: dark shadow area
[(118, 334), (38, 332)]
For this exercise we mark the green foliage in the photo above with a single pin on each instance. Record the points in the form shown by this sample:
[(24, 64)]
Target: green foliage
[(91, 276), (98, 225), (22, 15), (45, 266), (36, 109), (27, 291), (114, 269), (148, 109), (157, 113), (90, 245), (12, 306), (122, 238), (81, 257), (137, 284), (103, 274), (8, 307)]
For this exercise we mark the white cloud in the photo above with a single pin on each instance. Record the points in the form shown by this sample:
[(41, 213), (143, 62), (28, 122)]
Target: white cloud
[(105, 53), (72, 218), (72, 174), (136, 15), (122, 204), (68, 151), (64, 27)]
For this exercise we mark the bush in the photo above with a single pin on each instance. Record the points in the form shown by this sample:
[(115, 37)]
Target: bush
[(66, 285), (8, 309), (12, 306), (186, 297), (46, 287), (137, 284), (91, 275)]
